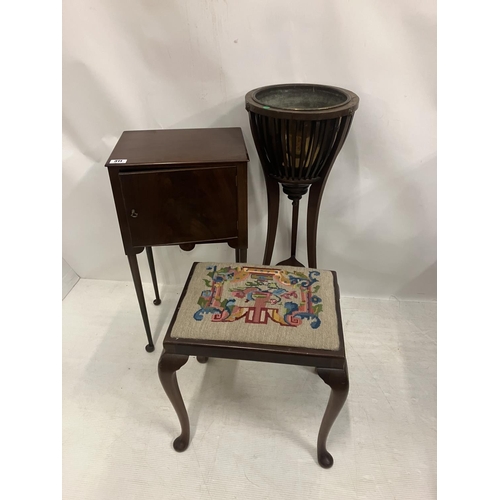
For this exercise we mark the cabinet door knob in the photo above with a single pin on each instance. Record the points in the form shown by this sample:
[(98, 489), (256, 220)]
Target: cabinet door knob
[(134, 214)]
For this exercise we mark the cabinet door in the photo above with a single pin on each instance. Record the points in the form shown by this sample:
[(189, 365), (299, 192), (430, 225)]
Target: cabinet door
[(180, 205)]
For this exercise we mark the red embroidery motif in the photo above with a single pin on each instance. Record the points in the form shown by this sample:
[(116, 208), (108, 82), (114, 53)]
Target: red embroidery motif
[(259, 295)]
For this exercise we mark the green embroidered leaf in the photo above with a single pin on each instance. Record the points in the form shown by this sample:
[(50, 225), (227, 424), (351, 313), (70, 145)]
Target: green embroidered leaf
[(208, 283), (223, 303), (202, 302), (315, 289), (317, 308), (301, 275)]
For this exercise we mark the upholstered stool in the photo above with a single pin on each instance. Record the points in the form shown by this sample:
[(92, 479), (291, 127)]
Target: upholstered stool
[(260, 313)]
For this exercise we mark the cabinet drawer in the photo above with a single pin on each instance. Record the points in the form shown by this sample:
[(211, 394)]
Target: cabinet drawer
[(180, 205)]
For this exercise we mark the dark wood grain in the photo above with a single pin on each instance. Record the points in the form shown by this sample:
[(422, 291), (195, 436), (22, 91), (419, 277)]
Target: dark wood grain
[(317, 189), (167, 366), (136, 276), (242, 197), (180, 147), (179, 187), (243, 255), (338, 381), (331, 366), (149, 253), (179, 206), (273, 208), (297, 148), (121, 211), (258, 352)]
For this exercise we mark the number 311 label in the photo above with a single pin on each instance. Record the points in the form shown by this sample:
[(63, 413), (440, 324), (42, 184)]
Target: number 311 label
[(118, 161)]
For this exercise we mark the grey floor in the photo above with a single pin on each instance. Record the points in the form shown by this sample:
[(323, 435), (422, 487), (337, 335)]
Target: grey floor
[(254, 425)]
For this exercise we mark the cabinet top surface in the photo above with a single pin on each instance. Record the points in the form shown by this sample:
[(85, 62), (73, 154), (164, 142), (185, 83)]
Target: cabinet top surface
[(177, 146)]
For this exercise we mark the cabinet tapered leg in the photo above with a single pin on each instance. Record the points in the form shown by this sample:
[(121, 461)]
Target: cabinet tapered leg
[(338, 380), (149, 252), (136, 276), (243, 255), (167, 366)]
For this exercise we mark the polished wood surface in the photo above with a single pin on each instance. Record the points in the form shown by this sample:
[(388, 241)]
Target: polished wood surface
[(338, 380), (316, 193), (151, 262), (136, 276), (258, 352), (331, 367), (167, 367), (297, 148), (177, 206), (180, 147), (273, 208), (179, 187)]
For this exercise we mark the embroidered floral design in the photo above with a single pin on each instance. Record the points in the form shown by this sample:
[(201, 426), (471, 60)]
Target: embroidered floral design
[(260, 294)]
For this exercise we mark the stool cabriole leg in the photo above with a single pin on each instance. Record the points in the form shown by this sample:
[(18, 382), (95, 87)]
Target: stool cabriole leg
[(167, 366), (149, 253), (338, 380)]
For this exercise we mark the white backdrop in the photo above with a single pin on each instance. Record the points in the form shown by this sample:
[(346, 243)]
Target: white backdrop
[(188, 63)]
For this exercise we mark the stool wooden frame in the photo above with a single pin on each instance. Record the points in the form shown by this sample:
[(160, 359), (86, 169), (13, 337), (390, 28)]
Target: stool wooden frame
[(331, 366)]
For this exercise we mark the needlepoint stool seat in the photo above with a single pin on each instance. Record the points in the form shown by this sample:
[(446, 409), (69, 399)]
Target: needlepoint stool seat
[(277, 314)]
